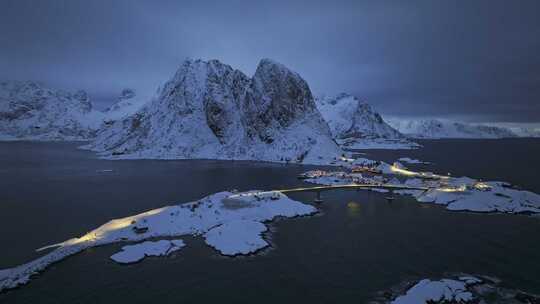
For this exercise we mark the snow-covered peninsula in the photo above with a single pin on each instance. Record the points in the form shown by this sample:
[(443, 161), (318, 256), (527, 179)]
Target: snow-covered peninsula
[(232, 223)]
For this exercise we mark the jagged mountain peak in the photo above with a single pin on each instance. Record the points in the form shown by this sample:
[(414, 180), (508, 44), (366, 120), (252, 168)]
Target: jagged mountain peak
[(210, 110), (355, 124), (270, 66), (348, 117), (279, 95)]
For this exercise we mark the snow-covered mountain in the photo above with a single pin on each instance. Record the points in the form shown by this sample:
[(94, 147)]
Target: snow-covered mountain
[(530, 130), (525, 132), (29, 110), (209, 110), (354, 124), (128, 103), (439, 128)]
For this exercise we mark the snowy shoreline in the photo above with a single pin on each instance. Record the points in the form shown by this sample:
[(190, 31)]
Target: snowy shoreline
[(236, 224), (225, 220), (456, 194)]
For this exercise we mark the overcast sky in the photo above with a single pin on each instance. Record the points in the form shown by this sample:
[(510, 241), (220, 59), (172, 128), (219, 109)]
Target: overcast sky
[(466, 59)]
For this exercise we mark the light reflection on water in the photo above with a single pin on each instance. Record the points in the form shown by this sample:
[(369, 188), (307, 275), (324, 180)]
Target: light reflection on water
[(353, 209)]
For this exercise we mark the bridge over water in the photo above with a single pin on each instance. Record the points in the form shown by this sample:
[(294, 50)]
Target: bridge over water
[(319, 189)]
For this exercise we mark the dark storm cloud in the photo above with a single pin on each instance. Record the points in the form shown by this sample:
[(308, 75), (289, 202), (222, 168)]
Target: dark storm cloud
[(477, 60)]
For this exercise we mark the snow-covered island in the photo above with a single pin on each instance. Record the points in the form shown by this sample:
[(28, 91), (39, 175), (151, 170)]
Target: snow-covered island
[(455, 193), (460, 288), (355, 125), (232, 223)]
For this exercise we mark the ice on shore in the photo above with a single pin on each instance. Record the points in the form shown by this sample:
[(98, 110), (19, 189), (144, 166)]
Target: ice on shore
[(137, 252), (221, 218)]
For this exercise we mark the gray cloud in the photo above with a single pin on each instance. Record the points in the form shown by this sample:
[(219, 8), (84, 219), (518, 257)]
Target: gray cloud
[(477, 60)]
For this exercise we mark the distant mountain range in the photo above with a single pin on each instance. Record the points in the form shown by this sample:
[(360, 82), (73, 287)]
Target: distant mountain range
[(210, 110), (32, 111), (29, 110), (440, 128)]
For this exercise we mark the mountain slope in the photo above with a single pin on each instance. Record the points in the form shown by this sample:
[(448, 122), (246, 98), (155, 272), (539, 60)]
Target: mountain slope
[(209, 110), (354, 124), (438, 128), (128, 103), (29, 110)]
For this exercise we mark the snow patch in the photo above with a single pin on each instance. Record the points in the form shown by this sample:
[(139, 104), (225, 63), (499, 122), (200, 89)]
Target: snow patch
[(137, 252), (237, 237), (409, 160), (427, 291)]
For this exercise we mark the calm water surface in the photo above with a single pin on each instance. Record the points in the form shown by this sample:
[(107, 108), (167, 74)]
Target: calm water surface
[(359, 245)]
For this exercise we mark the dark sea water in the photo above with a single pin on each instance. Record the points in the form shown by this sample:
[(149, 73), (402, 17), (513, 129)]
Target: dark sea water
[(360, 244)]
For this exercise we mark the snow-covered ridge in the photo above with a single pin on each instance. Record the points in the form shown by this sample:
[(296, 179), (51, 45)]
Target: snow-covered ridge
[(355, 125), (32, 111), (28, 110), (520, 129), (441, 128), (525, 132), (231, 223), (209, 110)]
